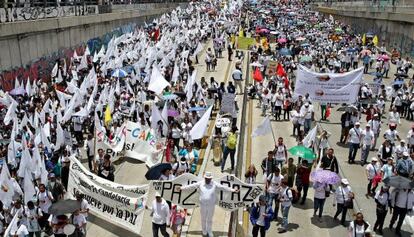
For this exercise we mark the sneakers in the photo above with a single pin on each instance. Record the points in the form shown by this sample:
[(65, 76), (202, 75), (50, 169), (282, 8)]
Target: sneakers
[(282, 231)]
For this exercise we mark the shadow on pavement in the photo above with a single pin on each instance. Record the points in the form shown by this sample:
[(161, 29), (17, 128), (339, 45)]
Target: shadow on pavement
[(326, 222), (387, 232), (199, 233), (306, 206)]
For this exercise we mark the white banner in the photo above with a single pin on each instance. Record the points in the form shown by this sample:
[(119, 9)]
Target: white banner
[(141, 144), (227, 103), (328, 87), (132, 141), (248, 194), (122, 204)]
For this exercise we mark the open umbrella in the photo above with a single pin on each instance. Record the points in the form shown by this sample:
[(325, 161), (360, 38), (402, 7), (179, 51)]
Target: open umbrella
[(350, 108), (64, 207), (173, 113), (401, 75), (197, 109), (18, 91), (398, 82), (274, 32), (285, 52), (282, 40), (155, 172), (338, 30), (325, 176), (305, 45), (169, 97), (300, 39), (385, 57), (365, 51), (256, 64), (119, 73), (303, 152), (305, 58), (399, 182)]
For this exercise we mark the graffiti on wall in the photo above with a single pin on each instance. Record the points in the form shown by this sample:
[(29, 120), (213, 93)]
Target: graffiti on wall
[(35, 13), (40, 69)]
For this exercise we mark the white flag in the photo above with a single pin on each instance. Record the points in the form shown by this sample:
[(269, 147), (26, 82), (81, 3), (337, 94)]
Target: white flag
[(310, 138), (59, 77), (55, 70), (29, 190), (7, 187), (157, 81), (60, 136), (189, 86), (155, 117), (11, 113), (28, 87), (264, 128), (199, 129), (198, 49), (164, 115), (83, 63), (176, 73)]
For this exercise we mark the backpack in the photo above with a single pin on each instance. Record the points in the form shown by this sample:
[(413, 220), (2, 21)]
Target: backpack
[(231, 141), (295, 195)]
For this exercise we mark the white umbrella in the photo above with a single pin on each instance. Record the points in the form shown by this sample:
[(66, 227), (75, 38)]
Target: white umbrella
[(256, 64)]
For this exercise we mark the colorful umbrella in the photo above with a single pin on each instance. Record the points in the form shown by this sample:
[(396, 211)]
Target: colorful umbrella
[(170, 97), (285, 52), (305, 58), (282, 40), (325, 176), (300, 39), (119, 73), (197, 109), (303, 152), (385, 57), (173, 113)]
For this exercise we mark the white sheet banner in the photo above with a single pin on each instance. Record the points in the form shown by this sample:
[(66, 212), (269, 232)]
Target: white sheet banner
[(248, 194), (122, 204), (141, 144), (328, 87)]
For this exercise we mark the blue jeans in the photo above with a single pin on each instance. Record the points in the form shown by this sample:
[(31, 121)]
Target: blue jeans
[(365, 153), (226, 152), (285, 213), (270, 198), (318, 204), (307, 125), (280, 163), (353, 149)]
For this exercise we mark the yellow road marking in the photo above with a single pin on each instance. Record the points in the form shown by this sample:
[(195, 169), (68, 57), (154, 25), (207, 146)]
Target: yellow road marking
[(246, 220)]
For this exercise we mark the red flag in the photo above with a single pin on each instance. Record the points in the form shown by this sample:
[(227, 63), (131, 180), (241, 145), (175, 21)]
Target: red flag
[(328, 111), (280, 70), (257, 76)]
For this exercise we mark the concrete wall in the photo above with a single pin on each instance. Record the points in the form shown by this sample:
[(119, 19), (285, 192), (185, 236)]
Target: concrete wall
[(30, 49), (395, 29)]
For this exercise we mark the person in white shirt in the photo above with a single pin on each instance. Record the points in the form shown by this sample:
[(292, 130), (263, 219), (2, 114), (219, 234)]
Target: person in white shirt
[(32, 214), (343, 196), (273, 185), (354, 140), (388, 169), (45, 199), (375, 124), (402, 201), (160, 213), (297, 120), (84, 206), (359, 227), (286, 197), (394, 116), (79, 221), (392, 134), (371, 171), (207, 189), (308, 114), (367, 137), (382, 199), (400, 149), (319, 197), (410, 139)]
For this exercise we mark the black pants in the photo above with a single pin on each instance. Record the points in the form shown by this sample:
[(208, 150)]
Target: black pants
[(305, 188), (296, 127), (370, 189), (399, 213), (278, 112), (90, 162), (255, 231), (163, 228), (341, 209), (43, 221), (379, 223)]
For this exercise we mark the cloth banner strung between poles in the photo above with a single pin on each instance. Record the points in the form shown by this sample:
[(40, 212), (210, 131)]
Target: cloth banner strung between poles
[(329, 87), (249, 193), (122, 204)]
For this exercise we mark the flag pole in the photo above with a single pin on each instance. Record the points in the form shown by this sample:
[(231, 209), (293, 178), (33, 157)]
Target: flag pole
[(273, 134)]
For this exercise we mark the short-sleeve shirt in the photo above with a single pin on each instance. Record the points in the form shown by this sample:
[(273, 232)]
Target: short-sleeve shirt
[(275, 182)]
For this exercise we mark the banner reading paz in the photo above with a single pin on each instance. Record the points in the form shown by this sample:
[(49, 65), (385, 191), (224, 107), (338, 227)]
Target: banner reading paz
[(122, 204), (169, 190), (329, 87)]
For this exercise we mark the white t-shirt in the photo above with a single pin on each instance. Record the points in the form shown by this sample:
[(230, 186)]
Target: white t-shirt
[(372, 170), (22, 231), (354, 135), (391, 135), (275, 182), (32, 219), (280, 153), (286, 197), (260, 221), (84, 206), (79, 220), (367, 137), (360, 230), (45, 200), (410, 137)]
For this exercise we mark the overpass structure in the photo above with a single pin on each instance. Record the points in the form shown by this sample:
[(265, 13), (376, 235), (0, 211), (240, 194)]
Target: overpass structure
[(392, 21)]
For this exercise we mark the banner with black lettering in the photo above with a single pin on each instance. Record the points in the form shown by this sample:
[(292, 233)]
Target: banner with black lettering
[(328, 87), (112, 146), (170, 191), (122, 204)]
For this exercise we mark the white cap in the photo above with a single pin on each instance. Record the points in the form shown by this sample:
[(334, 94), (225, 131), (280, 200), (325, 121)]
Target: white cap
[(368, 125), (402, 140), (405, 153), (374, 159), (306, 103), (345, 181), (357, 123), (208, 175), (157, 194)]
